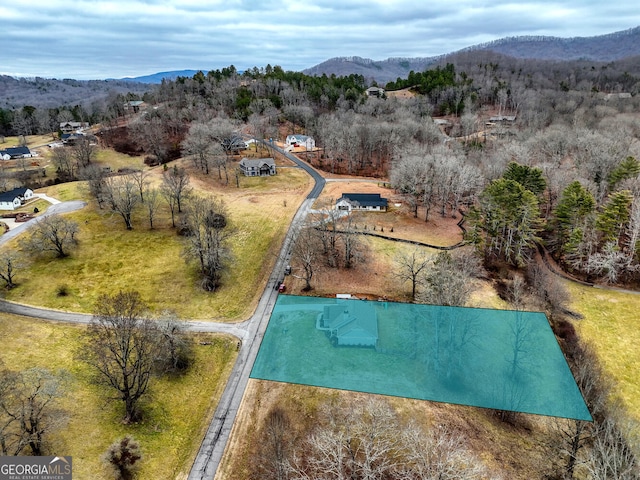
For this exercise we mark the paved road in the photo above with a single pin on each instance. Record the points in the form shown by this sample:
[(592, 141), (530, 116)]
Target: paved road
[(60, 207), (217, 436)]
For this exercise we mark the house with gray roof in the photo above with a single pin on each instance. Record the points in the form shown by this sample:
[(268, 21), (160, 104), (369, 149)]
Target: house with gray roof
[(371, 202), (257, 167)]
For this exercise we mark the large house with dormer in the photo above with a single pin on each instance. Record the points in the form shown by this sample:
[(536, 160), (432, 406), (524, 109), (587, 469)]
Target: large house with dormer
[(257, 167)]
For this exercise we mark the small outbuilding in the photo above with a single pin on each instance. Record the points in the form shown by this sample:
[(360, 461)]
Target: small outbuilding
[(370, 202)]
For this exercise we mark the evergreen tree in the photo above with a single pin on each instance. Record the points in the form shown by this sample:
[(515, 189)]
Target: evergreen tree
[(628, 168), (614, 216), (529, 177), (506, 223), (570, 216)]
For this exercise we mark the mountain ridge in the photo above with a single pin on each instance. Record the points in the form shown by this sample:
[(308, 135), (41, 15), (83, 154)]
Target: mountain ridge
[(601, 48)]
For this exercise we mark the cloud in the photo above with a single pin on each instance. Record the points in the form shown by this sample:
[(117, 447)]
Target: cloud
[(114, 38)]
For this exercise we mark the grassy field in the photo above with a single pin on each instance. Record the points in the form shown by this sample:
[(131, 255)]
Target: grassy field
[(32, 141), (109, 258), (175, 416), (611, 324)]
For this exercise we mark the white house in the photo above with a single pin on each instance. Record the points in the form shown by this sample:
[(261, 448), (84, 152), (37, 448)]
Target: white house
[(371, 202), (16, 152), (301, 141), (15, 198), (374, 92), (258, 167)]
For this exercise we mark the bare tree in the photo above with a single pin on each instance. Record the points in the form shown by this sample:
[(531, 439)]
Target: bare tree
[(175, 350), (95, 178), (65, 163), (612, 455), (352, 242), (305, 252), (175, 188), (52, 233), (10, 262), (83, 151), (447, 282), (208, 231), (140, 177), (198, 145), (362, 441), (548, 288), (28, 409), (570, 441), (121, 196), (276, 446), (411, 266), (121, 344), (151, 204), (438, 454)]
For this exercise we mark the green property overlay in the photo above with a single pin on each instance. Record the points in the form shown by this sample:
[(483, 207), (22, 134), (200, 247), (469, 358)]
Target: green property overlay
[(500, 359)]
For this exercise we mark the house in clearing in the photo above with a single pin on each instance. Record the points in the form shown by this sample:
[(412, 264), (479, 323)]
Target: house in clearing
[(301, 141), (133, 105), (15, 198), (70, 127), (347, 323), (370, 202), (258, 167), (374, 92)]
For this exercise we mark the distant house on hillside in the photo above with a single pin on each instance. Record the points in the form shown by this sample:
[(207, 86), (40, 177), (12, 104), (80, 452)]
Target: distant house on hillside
[(615, 96), (12, 153), (301, 141), (15, 198), (352, 324), (503, 119), (258, 167), (374, 92), (133, 105), (371, 202), (70, 127)]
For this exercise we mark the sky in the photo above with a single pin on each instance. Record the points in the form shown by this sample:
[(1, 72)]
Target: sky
[(97, 39)]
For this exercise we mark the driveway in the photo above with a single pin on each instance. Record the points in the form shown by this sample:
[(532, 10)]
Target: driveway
[(16, 228)]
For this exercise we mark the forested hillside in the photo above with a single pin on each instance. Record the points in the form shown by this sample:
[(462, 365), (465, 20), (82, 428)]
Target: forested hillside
[(51, 93), (604, 48)]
